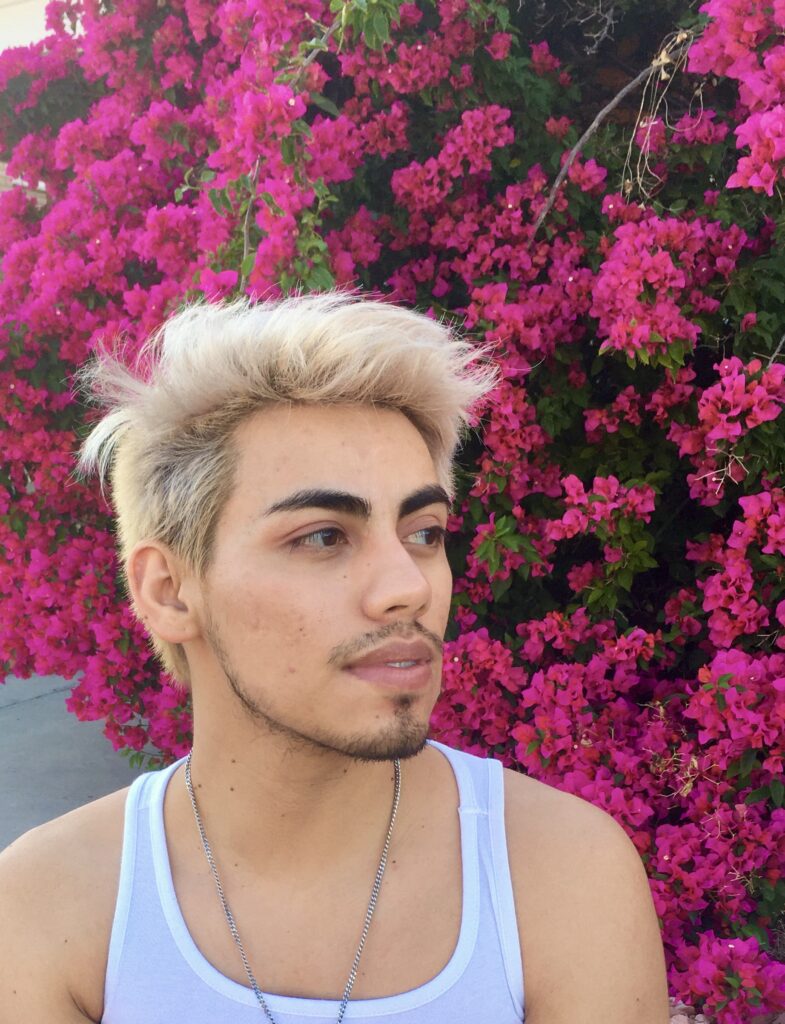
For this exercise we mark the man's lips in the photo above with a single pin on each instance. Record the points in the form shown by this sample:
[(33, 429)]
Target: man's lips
[(395, 651), (382, 666)]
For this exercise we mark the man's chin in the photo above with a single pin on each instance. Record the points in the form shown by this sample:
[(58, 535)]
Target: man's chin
[(388, 748), (401, 739)]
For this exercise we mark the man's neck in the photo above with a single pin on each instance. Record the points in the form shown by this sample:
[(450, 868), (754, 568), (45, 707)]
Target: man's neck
[(272, 806)]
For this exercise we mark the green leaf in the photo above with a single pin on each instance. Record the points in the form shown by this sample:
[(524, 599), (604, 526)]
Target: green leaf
[(777, 789), (369, 36), (381, 25), (757, 795), (270, 201), (476, 509), (220, 200), (248, 264), (288, 150), (625, 578), (743, 766), (756, 932), (320, 279), (500, 587), (325, 104)]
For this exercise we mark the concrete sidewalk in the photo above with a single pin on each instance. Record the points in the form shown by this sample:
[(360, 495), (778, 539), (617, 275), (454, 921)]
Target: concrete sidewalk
[(49, 761)]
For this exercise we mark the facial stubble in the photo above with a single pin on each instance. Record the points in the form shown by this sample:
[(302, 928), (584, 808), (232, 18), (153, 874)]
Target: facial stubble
[(405, 737)]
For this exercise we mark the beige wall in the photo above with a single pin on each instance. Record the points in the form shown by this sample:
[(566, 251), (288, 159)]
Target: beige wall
[(21, 22)]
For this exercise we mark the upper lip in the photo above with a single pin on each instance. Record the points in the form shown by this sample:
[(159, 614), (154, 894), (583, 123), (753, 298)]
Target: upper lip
[(398, 650)]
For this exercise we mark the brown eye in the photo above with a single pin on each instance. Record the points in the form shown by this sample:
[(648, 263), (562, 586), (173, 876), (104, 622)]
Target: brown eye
[(328, 531), (435, 536)]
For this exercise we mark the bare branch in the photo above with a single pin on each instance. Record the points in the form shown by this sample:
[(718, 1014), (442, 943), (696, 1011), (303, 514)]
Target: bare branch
[(576, 149), (655, 68), (776, 352), (673, 54), (247, 220)]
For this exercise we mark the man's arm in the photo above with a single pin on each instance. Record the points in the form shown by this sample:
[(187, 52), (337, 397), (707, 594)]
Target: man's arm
[(592, 949), (35, 934)]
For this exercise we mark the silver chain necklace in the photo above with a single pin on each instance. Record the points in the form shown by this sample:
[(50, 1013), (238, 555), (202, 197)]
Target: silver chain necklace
[(368, 914)]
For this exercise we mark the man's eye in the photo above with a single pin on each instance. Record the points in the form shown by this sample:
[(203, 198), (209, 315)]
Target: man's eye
[(434, 536), (302, 542)]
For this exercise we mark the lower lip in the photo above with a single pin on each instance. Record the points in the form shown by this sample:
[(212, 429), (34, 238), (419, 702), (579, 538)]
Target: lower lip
[(416, 677)]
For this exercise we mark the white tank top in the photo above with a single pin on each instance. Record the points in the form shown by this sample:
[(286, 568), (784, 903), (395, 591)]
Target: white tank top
[(157, 975)]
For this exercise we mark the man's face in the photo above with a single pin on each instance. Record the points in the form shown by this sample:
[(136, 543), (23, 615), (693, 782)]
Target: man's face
[(293, 597)]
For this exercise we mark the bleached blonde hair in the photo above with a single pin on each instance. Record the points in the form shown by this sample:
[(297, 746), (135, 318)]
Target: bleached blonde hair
[(165, 441)]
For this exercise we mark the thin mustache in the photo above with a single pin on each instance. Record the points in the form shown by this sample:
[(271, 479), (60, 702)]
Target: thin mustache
[(357, 652)]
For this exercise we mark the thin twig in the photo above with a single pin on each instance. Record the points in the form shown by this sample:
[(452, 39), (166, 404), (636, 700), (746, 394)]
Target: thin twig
[(320, 46), (247, 219), (652, 104), (653, 68), (573, 154), (776, 351)]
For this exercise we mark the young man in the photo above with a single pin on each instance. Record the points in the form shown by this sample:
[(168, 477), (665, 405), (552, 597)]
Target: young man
[(282, 476)]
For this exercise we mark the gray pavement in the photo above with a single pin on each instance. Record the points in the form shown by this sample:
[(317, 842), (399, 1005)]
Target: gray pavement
[(50, 762)]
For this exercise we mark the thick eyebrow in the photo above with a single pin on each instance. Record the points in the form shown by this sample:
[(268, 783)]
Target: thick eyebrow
[(354, 505)]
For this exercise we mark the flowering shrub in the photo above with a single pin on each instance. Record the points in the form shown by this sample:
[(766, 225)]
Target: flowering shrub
[(619, 540)]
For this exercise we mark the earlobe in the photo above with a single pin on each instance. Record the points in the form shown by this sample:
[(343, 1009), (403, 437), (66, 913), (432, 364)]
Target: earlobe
[(154, 579)]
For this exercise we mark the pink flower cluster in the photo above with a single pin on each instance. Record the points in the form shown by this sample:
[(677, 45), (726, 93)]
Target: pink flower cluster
[(726, 976), (733, 46), (743, 398), (654, 267), (466, 149)]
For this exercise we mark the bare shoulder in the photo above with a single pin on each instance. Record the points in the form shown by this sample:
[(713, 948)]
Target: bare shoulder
[(557, 813), (58, 887), (590, 938)]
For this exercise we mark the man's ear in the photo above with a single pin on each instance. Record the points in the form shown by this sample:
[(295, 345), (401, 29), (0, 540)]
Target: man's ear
[(155, 579)]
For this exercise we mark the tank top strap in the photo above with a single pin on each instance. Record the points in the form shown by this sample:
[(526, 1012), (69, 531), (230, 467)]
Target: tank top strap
[(145, 792), (472, 788), (481, 788), (502, 894)]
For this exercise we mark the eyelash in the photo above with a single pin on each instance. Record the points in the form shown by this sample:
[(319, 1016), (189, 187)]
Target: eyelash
[(440, 532)]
